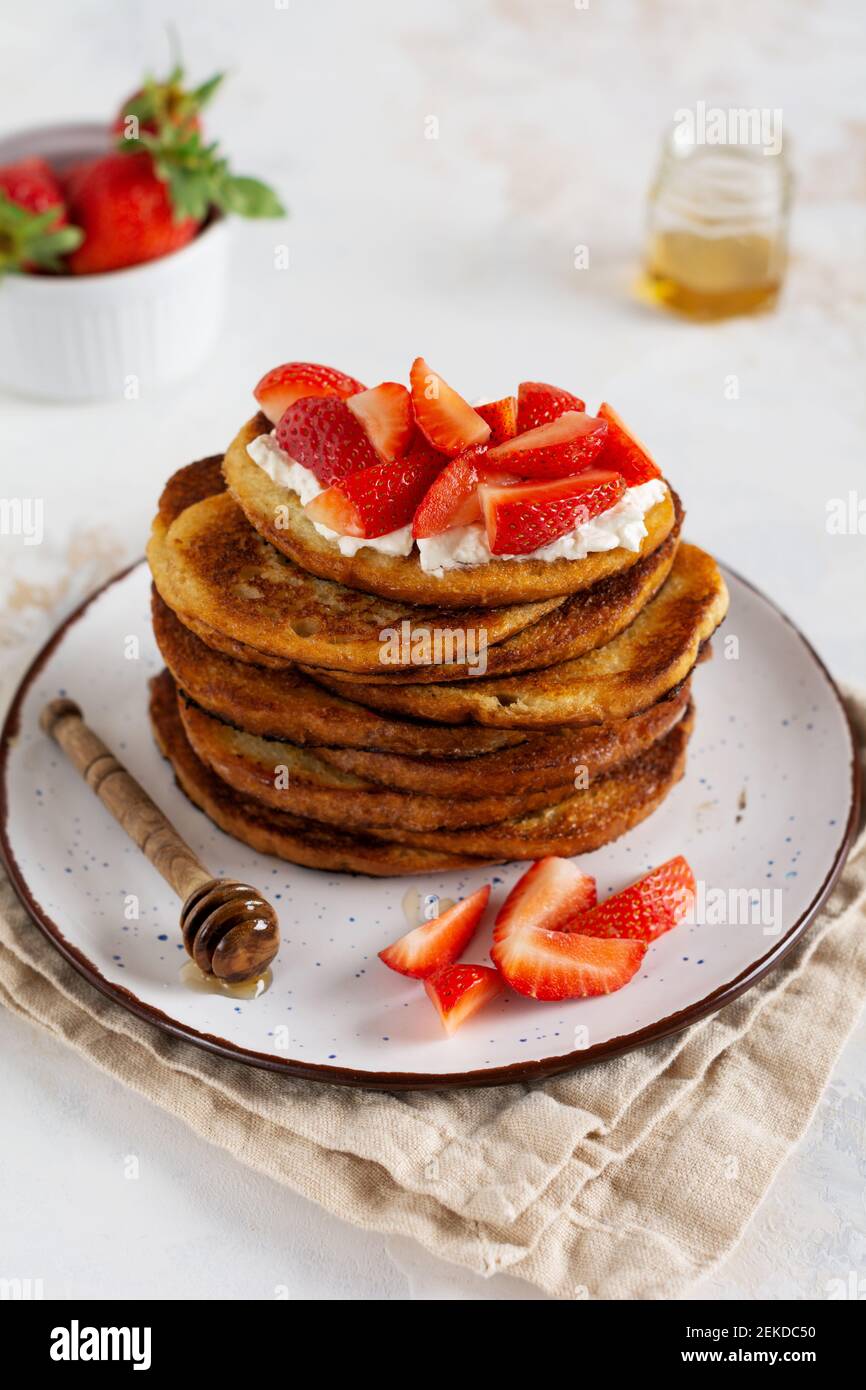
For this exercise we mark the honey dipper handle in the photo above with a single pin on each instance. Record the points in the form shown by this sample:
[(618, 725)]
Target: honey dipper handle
[(128, 802)]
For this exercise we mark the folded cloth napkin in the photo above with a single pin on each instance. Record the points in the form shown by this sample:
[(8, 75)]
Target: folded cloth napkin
[(626, 1179)]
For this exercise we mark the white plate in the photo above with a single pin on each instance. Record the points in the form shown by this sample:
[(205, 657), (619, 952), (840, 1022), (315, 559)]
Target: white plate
[(764, 816)]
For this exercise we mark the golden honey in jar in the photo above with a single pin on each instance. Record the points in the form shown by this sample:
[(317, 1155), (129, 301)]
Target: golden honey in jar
[(717, 231)]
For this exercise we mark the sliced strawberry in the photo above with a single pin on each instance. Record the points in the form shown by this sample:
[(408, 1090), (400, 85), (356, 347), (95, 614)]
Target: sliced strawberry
[(387, 417), (426, 949), (538, 404), (501, 416), (523, 518), (550, 893), (378, 499), (624, 452), (452, 499), (564, 965), (282, 386), (447, 421), (459, 991), (565, 446), (645, 910), (322, 433)]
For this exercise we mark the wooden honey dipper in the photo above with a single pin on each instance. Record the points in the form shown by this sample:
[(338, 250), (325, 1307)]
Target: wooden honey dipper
[(228, 928)]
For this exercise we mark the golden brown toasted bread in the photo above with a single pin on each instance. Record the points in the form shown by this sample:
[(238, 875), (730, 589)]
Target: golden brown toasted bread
[(590, 818), (651, 657), (276, 513), (585, 620), (537, 762), (276, 832), (607, 809), (222, 578), (297, 780), (287, 704)]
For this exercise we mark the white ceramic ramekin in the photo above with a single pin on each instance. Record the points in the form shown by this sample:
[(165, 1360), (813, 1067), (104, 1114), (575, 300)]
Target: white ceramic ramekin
[(92, 337)]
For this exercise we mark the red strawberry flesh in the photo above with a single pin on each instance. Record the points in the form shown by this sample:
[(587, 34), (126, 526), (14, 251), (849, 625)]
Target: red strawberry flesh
[(321, 433), (437, 943), (445, 418), (566, 445), (459, 991), (624, 452), (282, 386), (501, 416), (547, 964), (386, 415), (538, 404), (452, 499), (377, 500), (646, 909), (549, 894), (526, 517)]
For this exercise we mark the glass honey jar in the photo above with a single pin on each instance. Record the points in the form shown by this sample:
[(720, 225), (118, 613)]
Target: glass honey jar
[(717, 234)]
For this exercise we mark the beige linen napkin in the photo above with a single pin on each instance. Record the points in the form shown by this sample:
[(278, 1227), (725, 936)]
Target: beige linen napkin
[(626, 1179)]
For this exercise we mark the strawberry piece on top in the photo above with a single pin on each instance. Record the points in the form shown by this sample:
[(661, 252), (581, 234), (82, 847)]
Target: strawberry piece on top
[(434, 944), (321, 433), (378, 499), (624, 451), (538, 404), (646, 909), (452, 499), (525, 517), (387, 417), (566, 445), (282, 386), (445, 418), (550, 894), (459, 991), (501, 416)]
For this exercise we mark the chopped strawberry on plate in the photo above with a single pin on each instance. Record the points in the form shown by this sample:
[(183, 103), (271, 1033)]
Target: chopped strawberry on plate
[(378, 499), (321, 433), (501, 416), (387, 417), (446, 419), (549, 894), (437, 943), (566, 445), (538, 404), (624, 452), (548, 964), (525, 517), (459, 991), (646, 909), (282, 386), (452, 499)]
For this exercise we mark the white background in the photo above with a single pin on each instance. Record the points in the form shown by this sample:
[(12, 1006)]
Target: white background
[(461, 249)]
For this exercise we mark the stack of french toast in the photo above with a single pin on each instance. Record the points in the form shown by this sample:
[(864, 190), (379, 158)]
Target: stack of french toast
[(403, 633)]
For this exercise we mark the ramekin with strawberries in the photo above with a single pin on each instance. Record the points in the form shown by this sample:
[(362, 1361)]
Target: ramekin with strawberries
[(113, 245)]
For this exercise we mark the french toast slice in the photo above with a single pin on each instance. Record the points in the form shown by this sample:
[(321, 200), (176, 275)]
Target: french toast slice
[(276, 513)]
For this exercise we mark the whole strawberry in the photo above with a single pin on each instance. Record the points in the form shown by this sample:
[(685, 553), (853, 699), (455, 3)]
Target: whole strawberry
[(34, 226), (152, 194), (126, 214), (158, 102)]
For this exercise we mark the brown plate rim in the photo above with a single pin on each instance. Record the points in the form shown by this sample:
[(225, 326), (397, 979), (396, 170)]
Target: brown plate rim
[(516, 1072)]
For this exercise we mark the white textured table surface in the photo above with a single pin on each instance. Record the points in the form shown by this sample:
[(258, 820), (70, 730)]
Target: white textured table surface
[(460, 248)]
